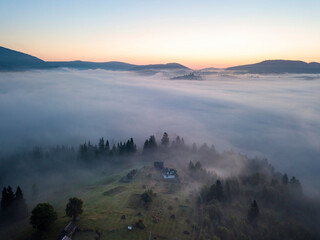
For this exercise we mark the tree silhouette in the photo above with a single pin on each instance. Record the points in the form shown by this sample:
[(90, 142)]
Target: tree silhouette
[(43, 215), (219, 191), (285, 179), (198, 165), (165, 140), (191, 166), (10, 195), (74, 207), (150, 145), (20, 205), (253, 212), (4, 199), (147, 196)]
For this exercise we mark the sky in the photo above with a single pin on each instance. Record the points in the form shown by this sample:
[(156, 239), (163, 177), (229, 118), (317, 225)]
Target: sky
[(198, 34)]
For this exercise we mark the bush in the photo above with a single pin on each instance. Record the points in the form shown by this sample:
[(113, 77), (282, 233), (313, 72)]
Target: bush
[(147, 196), (140, 225)]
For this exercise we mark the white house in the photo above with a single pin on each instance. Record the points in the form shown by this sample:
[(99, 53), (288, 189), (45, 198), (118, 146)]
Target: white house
[(168, 173)]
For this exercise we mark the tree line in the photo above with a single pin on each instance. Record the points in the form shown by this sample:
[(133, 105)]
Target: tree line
[(13, 205)]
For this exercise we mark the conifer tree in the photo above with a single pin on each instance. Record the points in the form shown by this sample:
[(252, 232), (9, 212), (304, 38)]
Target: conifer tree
[(11, 196), (19, 194), (285, 179), (107, 148), (253, 212), (20, 205), (4, 199), (165, 140), (219, 191), (191, 166), (198, 165)]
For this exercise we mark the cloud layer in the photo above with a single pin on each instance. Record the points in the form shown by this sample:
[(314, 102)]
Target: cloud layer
[(273, 116)]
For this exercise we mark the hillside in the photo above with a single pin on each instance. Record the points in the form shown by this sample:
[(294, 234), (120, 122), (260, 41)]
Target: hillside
[(279, 66), (120, 66), (249, 200), (11, 60)]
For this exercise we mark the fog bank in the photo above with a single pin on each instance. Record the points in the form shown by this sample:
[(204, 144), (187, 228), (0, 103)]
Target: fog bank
[(276, 116)]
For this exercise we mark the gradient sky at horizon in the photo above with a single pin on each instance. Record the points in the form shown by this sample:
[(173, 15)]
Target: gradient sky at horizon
[(194, 33)]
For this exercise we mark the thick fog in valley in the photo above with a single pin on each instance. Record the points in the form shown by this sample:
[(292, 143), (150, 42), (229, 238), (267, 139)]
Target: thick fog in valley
[(271, 116)]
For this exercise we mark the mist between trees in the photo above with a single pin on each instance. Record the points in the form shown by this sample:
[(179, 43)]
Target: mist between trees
[(218, 180)]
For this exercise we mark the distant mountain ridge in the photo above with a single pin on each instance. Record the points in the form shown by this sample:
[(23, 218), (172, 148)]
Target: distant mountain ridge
[(14, 60), (279, 66), (11, 60)]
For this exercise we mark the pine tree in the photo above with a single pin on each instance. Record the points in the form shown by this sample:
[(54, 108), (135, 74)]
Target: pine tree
[(150, 145), (219, 191), (191, 166), (11, 196), (4, 199), (198, 165), (19, 194), (20, 205), (107, 148), (101, 145), (152, 142), (253, 212), (146, 145), (165, 140), (285, 179)]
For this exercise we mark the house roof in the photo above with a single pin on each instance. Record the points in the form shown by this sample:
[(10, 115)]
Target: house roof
[(169, 171)]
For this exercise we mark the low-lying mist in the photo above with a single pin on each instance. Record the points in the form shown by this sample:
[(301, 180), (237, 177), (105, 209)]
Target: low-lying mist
[(274, 116)]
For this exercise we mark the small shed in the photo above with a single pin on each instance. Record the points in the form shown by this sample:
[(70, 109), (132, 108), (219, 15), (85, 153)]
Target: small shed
[(158, 165)]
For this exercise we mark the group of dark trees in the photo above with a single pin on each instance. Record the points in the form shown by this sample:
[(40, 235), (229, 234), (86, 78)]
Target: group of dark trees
[(198, 173), (239, 207), (13, 205), (243, 207), (44, 215), (151, 146), (104, 149), (215, 192)]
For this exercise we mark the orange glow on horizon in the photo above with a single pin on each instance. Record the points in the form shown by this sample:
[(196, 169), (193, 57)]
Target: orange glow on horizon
[(195, 63)]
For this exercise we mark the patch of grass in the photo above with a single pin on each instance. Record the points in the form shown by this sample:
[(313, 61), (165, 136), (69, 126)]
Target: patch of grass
[(114, 191), (106, 200)]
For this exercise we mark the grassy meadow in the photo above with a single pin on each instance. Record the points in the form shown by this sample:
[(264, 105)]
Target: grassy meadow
[(107, 198)]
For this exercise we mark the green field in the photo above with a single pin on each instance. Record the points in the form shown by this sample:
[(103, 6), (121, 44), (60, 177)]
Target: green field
[(106, 199)]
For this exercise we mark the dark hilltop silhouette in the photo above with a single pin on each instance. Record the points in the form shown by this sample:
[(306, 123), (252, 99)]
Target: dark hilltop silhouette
[(11, 60), (279, 66)]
